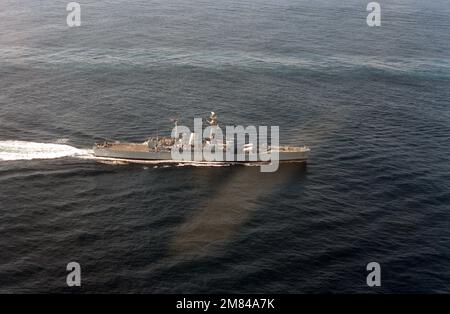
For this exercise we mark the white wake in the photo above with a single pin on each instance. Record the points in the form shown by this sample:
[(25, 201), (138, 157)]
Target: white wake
[(21, 150)]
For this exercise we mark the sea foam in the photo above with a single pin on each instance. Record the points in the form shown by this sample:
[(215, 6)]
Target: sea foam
[(21, 150)]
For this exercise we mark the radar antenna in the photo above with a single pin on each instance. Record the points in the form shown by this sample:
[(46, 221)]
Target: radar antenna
[(212, 120)]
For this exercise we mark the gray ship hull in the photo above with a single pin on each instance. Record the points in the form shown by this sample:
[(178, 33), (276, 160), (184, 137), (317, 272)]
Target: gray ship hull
[(110, 153), (165, 156)]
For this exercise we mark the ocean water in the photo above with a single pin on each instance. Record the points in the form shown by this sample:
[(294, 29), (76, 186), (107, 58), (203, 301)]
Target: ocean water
[(372, 103)]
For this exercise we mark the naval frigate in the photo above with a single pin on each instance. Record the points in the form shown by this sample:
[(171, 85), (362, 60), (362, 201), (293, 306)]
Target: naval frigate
[(160, 149)]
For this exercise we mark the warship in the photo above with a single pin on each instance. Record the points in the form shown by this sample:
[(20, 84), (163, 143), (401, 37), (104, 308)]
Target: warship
[(160, 149)]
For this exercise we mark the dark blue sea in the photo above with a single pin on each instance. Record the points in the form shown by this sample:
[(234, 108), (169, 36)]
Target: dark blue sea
[(372, 103)]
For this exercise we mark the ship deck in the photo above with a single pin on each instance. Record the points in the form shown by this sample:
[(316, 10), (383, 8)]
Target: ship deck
[(128, 147)]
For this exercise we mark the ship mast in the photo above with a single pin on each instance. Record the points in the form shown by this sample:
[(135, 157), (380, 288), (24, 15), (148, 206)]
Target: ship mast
[(212, 121)]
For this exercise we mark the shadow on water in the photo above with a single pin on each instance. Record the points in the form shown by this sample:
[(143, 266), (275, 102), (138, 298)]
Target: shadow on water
[(234, 195)]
